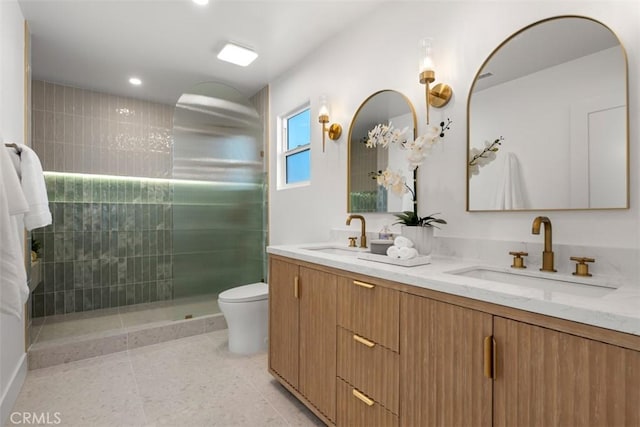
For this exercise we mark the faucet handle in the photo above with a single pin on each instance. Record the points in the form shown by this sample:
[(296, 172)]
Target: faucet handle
[(582, 268), (518, 261), (352, 242)]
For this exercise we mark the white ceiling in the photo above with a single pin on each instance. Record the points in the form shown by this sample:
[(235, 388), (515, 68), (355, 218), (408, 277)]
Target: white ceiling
[(172, 44)]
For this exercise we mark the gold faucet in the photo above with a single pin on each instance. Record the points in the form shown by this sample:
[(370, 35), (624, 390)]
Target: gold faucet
[(547, 254), (363, 229)]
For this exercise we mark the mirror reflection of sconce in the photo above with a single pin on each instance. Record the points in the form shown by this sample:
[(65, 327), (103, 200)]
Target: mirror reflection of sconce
[(440, 94), (334, 130)]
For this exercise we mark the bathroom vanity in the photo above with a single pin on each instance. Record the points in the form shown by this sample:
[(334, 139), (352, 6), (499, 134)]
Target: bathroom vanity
[(362, 343)]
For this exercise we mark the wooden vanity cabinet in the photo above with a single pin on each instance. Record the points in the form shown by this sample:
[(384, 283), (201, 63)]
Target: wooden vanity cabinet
[(354, 412), (550, 378), (531, 376), (284, 332), (442, 364), (368, 358), (361, 351), (302, 334), (370, 309)]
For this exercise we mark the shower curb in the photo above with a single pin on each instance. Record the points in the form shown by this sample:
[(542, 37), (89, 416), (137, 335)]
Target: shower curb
[(46, 354)]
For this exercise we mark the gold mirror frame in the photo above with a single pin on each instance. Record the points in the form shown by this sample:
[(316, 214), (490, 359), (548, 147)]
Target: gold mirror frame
[(626, 94), (351, 127)]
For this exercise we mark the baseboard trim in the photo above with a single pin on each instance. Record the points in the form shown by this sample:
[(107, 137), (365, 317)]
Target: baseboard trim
[(11, 394)]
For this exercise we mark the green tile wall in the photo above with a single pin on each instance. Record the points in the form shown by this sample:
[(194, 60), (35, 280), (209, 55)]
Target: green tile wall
[(110, 244)]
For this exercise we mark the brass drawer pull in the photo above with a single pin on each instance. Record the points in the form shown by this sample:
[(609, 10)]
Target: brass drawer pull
[(362, 397), (490, 357), (363, 284), (296, 287), (364, 341)]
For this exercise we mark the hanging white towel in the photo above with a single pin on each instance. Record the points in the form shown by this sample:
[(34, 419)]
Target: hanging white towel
[(509, 193), (13, 277), (34, 189)]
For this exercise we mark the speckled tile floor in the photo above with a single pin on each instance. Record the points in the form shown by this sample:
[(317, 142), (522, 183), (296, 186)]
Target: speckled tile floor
[(191, 382)]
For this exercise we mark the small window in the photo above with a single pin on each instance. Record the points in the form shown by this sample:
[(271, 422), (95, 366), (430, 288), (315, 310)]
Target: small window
[(296, 139)]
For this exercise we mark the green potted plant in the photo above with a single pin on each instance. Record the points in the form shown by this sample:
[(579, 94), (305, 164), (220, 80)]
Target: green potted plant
[(35, 250)]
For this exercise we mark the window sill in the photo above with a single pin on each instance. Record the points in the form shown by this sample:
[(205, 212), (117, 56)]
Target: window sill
[(294, 185)]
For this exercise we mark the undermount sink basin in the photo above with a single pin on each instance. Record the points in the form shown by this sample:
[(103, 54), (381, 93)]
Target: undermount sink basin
[(552, 282), (337, 250)]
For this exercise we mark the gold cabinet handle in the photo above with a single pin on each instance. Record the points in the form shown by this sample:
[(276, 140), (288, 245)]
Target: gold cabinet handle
[(296, 287), (362, 397), (490, 357), (363, 284), (364, 341), (494, 361)]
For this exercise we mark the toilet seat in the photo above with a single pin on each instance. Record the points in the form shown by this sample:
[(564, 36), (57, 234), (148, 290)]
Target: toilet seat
[(245, 293)]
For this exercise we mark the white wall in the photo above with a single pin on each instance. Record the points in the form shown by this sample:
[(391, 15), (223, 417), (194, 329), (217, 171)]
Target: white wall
[(381, 53), (12, 355)]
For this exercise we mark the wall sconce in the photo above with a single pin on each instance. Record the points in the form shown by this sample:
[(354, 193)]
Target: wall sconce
[(440, 94), (334, 130)]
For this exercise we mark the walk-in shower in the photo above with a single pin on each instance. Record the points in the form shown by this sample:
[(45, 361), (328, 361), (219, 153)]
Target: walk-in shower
[(156, 209)]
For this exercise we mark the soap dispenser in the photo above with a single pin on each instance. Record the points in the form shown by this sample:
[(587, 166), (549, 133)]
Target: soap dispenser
[(385, 233)]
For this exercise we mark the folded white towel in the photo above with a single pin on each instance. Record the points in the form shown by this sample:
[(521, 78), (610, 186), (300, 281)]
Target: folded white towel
[(13, 277), (34, 189), (393, 252), (407, 253), (403, 242), (401, 252)]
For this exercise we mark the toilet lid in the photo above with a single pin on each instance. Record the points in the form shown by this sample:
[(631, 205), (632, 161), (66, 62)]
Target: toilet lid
[(252, 292)]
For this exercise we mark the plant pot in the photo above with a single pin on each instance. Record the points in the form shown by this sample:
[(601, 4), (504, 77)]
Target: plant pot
[(422, 237)]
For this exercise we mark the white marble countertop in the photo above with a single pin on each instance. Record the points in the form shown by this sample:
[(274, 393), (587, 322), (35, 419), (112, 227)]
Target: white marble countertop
[(618, 309)]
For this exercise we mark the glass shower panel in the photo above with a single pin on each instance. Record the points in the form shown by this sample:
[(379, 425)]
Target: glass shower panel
[(218, 192)]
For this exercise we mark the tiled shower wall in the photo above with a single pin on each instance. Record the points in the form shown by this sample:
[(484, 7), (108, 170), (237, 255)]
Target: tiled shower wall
[(110, 243), (77, 130)]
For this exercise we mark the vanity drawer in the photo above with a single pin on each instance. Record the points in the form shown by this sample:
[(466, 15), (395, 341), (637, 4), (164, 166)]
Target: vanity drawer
[(370, 368), (369, 310), (355, 409)]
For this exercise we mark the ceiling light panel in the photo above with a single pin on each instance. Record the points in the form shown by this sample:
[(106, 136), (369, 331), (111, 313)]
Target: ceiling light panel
[(237, 54)]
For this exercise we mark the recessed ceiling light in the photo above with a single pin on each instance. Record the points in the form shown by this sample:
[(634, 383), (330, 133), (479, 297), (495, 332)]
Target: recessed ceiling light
[(135, 81), (201, 2), (237, 54)]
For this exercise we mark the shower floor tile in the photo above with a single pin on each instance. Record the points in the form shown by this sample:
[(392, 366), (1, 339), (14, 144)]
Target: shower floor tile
[(192, 381), (102, 321)]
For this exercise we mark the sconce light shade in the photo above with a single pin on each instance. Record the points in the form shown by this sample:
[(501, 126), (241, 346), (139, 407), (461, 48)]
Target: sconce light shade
[(440, 94), (334, 130), (426, 65), (323, 113)]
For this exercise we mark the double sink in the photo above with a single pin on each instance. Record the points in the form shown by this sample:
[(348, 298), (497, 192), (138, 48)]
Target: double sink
[(548, 282)]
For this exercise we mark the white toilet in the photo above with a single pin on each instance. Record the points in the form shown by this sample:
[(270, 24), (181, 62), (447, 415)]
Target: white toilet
[(246, 309)]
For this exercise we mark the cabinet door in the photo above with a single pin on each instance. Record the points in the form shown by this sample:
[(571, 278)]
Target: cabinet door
[(549, 378), (318, 339), (283, 320), (442, 380)]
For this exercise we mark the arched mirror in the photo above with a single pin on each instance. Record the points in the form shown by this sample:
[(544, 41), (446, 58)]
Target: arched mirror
[(556, 92), (364, 194)]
